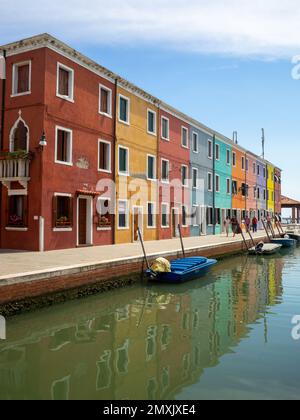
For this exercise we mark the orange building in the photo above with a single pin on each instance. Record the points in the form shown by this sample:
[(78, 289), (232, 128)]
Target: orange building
[(238, 182)]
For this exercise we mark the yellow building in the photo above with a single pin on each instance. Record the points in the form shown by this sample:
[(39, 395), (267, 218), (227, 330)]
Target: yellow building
[(136, 166), (270, 189)]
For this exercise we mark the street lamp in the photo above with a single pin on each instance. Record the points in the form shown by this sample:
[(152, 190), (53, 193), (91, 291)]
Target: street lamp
[(43, 141)]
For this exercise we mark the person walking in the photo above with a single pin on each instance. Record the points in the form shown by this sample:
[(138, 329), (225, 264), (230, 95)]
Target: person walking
[(254, 224), (234, 224), (227, 223), (269, 222), (247, 223)]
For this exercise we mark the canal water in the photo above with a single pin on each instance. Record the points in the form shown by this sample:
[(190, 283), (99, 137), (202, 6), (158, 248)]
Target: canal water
[(228, 336)]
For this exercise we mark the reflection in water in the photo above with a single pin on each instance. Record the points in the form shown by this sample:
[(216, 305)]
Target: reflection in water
[(138, 343)]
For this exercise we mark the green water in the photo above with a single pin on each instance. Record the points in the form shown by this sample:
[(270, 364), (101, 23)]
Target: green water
[(227, 335)]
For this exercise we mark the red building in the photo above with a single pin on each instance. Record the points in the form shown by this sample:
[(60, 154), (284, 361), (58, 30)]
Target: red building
[(174, 174), (48, 183)]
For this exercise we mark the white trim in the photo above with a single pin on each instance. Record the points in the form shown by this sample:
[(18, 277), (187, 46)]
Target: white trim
[(210, 142), (16, 229), (165, 181), (62, 229), (127, 122), (194, 133), (108, 171), (168, 121), (70, 151), (234, 159), (63, 195), (14, 79), (150, 111), (184, 128), (124, 200), (89, 219), (154, 214), (186, 184), (71, 72), (168, 215), (20, 119), (127, 160), (210, 189), (109, 91), (197, 183), (228, 153), (154, 171)]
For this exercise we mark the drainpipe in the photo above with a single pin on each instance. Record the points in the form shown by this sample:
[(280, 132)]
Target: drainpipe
[(115, 159), (214, 184), (2, 132)]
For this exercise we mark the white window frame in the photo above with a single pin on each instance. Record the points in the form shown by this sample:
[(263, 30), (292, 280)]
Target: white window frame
[(210, 177), (123, 200), (168, 121), (70, 162), (154, 214), (228, 156), (108, 171), (127, 122), (197, 142), (234, 159), (210, 146), (217, 154), (69, 98), (228, 183), (186, 184), (127, 163), (164, 181), (217, 189), (185, 129), (152, 133), (109, 91), (195, 215), (154, 171), (197, 183), (66, 229), (168, 215), (15, 79), (212, 218)]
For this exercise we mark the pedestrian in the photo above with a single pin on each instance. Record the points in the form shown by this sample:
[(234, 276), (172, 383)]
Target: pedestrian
[(234, 224), (227, 223), (269, 222), (247, 223), (254, 224)]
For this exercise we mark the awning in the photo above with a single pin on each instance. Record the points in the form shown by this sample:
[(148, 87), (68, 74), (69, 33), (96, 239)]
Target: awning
[(88, 192)]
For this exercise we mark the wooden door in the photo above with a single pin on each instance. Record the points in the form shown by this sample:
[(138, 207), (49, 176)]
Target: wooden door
[(82, 225), (135, 225)]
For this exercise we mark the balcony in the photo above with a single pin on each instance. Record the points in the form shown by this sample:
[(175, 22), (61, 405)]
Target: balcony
[(14, 168)]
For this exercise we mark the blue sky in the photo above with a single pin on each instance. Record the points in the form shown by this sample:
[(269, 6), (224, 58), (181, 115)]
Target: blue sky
[(227, 64)]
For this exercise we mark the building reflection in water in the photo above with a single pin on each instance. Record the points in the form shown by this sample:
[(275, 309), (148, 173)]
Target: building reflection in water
[(138, 343)]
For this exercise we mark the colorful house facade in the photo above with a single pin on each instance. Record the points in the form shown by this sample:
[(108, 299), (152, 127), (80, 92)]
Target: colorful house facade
[(251, 194), (270, 189), (261, 190), (238, 182)]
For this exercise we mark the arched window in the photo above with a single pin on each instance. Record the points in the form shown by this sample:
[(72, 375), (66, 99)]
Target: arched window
[(19, 137)]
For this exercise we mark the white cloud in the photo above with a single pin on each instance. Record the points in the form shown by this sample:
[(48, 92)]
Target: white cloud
[(267, 28)]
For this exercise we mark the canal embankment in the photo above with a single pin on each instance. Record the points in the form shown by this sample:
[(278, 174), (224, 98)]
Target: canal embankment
[(30, 280)]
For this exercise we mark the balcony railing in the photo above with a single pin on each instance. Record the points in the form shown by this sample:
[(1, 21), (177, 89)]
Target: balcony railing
[(14, 166)]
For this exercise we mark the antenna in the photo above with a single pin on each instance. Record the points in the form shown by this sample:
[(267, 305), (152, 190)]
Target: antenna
[(263, 142), (235, 137)]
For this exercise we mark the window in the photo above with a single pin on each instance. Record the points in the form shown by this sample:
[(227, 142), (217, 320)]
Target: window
[(105, 101), (228, 184), (258, 170), (123, 160), (124, 106), (63, 146), (218, 216), (184, 176), (228, 157), (123, 214), (243, 163), (195, 216), (264, 172), (184, 216), (209, 216), (104, 156), (165, 215), (165, 129), (209, 181), (247, 165), (164, 170), (244, 190), (65, 82), (234, 188), (254, 168), (184, 137), (233, 159), (217, 152), (104, 213), (217, 183), (21, 79), (195, 178), (19, 138), (258, 193), (17, 211), (62, 211), (210, 151), (151, 215), (151, 167), (195, 143), (151, 122), (265, 195)]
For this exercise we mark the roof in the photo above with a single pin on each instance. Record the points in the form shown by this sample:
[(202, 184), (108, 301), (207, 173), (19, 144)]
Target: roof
[(289, 202), (48, 41)]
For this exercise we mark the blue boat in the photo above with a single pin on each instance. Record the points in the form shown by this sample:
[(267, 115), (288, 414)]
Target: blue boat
[(285, 242), (183, 270)]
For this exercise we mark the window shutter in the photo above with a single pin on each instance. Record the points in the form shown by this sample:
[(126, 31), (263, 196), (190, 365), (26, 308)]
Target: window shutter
[(23, 78), (54, 211), (63, 82)]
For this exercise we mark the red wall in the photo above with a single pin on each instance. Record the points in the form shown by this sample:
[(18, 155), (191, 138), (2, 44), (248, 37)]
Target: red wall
[(177, 155)]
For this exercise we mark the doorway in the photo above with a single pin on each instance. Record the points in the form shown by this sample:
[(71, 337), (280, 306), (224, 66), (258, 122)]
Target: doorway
[(85, 217), (137, 222), (175, 222)]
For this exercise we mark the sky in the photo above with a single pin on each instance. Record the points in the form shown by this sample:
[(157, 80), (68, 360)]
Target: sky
[(232, 64)]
